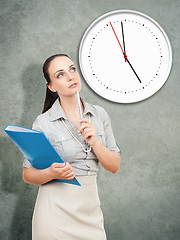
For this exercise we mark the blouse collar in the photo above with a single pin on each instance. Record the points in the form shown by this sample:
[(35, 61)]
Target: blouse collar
[(56, 111)]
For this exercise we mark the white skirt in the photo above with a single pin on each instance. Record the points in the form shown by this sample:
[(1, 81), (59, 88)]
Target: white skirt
[(68, 212)]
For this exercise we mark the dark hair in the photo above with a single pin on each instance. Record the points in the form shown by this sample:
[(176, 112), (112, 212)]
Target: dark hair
[(50, 96)]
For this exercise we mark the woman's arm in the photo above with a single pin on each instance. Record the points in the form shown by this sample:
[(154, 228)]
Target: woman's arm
[(109, 159), (41, 176)]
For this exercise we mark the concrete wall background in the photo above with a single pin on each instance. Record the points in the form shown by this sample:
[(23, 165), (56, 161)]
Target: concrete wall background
[(142, 200)]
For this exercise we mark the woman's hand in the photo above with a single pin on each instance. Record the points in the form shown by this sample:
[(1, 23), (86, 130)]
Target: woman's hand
[(108, 159), (61, 171), (88, 131)]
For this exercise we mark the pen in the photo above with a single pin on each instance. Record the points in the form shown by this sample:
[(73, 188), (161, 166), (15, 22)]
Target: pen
[(79, 105)]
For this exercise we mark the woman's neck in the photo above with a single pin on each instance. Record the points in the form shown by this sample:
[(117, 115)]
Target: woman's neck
[(70, 105)]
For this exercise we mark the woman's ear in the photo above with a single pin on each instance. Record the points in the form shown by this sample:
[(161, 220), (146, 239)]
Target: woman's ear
[(50, 87)]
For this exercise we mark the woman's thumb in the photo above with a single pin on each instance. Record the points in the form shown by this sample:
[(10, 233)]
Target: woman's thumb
[(62, 164)]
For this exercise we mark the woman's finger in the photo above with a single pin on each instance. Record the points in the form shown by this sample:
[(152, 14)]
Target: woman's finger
[(84, 120), (70, 175), (87, 130), (88, 134), (58, 165), (83, 126), (68, 168)]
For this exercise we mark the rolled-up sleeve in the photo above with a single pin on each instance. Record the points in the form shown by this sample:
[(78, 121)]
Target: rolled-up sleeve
[(109, 136), (35, 126)]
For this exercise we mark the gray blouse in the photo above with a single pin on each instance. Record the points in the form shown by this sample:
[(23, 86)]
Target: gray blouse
[(67, 147)]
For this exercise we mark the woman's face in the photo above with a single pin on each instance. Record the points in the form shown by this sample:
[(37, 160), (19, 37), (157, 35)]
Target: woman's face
[(63, 74)]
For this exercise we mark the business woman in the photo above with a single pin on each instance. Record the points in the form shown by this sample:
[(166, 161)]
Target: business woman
[(66, 211)]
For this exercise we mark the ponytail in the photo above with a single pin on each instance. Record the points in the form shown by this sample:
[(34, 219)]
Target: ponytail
[(49, 99), (50, 96)]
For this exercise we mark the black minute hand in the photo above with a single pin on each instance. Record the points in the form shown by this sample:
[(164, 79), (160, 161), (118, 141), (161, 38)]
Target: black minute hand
[(132, 68)]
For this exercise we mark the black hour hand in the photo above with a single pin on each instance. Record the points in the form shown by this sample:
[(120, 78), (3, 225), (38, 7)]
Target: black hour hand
[(123, 40)]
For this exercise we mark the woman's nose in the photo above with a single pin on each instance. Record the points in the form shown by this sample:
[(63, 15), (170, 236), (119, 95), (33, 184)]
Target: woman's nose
[(69, 76)]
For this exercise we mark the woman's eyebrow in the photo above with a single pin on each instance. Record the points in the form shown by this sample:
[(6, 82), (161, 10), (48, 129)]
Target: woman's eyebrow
[(63, 69)]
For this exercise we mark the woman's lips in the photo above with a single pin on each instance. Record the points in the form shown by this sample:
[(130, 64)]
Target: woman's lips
[(73, 85)]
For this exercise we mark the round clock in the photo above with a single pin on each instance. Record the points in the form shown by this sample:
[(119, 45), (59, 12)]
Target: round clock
[(125, 56)]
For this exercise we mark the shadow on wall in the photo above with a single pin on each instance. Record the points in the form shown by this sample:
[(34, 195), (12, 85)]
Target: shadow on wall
[(12, 158)]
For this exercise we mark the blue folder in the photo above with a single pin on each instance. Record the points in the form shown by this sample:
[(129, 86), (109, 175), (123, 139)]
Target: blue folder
[(36, 148)]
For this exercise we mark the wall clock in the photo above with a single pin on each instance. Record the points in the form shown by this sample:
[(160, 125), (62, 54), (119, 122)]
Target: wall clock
[(125, 56)]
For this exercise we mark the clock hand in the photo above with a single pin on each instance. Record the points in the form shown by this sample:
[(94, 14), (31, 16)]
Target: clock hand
[(132, 69), (123, 39), (125, 56), (118, 40)]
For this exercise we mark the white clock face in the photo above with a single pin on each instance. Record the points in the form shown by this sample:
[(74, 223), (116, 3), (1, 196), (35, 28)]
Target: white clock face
[(125, 56)]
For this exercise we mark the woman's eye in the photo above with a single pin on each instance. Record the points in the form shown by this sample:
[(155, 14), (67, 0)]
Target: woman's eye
[(73, 69), (59, 75)]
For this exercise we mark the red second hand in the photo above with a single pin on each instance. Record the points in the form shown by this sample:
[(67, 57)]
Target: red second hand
[(125, 56)]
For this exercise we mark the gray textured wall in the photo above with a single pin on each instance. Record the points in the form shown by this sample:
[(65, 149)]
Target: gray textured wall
[(142, 200)]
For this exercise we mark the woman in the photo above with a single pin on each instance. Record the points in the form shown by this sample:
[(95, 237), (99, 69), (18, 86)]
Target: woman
[(67, 211)]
